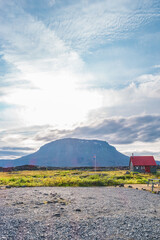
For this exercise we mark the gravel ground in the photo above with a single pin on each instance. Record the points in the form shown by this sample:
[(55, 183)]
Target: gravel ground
[(95, 213)]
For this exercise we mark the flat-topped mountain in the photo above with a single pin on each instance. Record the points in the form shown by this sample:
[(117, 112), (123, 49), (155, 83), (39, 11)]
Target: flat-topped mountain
[(72, 152)]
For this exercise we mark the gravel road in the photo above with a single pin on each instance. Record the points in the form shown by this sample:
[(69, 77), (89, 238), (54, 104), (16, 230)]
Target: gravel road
[(95, 213)]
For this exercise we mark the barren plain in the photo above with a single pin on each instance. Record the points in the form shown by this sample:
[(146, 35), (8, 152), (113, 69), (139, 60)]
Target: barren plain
[(91, 213)]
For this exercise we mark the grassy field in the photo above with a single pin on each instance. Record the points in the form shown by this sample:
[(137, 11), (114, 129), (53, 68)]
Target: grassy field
[(72, 178)]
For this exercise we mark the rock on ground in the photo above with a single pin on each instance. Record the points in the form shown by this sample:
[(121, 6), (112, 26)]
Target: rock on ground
[(95, 213)]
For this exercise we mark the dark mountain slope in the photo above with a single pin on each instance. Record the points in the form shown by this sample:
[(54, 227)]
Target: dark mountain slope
[(71, 152)]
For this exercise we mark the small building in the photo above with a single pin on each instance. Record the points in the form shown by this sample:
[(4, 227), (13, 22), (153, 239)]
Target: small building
[(142, 164)]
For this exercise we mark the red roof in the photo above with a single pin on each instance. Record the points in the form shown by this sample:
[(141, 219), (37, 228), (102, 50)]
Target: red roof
[(143, 161)]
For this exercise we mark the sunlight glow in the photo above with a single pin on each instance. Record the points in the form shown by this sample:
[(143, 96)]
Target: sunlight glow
[(55, 99)]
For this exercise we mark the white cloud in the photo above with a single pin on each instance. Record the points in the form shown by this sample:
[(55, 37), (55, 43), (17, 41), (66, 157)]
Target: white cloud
[(51, 3), (156, 66), (140, 97), (84, 24), (53, 70), (47, 83), (140, 149)]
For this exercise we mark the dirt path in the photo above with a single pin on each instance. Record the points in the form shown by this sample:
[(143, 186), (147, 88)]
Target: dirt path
[(144, 187)]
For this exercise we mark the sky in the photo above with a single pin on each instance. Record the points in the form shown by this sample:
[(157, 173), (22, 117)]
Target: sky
[(87, 69)]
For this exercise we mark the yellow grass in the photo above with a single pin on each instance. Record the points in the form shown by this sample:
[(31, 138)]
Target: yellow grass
[(71, 178)]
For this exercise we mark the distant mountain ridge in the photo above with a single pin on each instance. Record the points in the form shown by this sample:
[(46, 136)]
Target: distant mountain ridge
[(72, 152)]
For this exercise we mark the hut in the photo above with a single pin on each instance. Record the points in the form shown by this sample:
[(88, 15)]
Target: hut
[(143, 164)]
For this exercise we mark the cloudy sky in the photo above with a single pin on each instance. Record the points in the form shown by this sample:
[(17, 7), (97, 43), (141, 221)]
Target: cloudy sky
[(79, 68)]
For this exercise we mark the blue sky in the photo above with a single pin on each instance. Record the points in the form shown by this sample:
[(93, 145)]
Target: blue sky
[(88, 69)]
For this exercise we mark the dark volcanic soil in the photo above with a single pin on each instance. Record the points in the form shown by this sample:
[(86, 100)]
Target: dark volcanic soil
[(79, 213)]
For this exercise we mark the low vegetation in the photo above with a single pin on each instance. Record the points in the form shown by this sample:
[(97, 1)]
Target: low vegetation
[(72, 178)]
